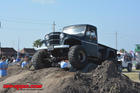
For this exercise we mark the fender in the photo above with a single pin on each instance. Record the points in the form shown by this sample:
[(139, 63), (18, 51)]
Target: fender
[(71, 41)]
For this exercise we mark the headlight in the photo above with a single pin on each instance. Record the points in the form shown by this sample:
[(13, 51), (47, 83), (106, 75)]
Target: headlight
[(62, 35), (47, 37)]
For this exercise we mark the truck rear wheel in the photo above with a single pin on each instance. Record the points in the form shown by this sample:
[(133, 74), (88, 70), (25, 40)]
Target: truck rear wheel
[(38, 60), (119, 66), (137, 66), (129, 67), (77, 56)]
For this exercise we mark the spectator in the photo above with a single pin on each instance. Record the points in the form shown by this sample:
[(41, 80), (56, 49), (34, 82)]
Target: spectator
[(18, 59), (65, 64), (3, 67), (25, 62)]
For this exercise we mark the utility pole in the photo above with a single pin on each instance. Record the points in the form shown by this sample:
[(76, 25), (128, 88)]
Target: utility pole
[(0, 45), (54, 26), (0, 51), (116, 34), (18, 49), (0, 24)]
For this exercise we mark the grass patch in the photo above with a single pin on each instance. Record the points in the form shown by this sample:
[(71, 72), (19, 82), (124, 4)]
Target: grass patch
[(134, 75)]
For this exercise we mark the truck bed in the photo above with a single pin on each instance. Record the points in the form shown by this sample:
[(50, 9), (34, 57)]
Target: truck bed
[(104, 46)]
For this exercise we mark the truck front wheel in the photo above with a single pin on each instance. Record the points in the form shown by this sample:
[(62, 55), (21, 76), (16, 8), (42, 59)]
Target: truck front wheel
[(38, 60), (77, 56)]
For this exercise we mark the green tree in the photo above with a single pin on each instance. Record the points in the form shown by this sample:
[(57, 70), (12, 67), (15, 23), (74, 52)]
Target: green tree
[(122, 50), (37, 43)]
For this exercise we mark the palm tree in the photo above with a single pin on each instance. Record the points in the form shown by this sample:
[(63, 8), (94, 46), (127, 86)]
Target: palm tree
[(37, 43), (122, 50)]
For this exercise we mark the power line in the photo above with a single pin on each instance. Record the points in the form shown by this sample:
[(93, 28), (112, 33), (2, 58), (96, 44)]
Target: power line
[(24, 29), (26, 22), (25, 19)]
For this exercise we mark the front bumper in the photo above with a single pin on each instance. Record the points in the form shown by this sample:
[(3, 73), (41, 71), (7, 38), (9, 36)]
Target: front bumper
[(54, 47)]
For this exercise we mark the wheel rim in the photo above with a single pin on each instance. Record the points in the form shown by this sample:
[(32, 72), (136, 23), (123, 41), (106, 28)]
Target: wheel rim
[(82, 56)]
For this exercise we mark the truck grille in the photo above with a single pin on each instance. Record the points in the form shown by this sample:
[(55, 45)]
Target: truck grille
[(54, 42), (54, 39)]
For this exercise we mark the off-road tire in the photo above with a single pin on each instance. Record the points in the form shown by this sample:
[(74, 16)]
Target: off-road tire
[(129, 67), (38, 60), (137, 66), (119, 66), (77, 57)]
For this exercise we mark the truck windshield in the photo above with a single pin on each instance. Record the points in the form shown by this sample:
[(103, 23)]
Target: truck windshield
[(75, 30)]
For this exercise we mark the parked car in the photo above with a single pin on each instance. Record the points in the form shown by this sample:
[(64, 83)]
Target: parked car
[(126, 60)]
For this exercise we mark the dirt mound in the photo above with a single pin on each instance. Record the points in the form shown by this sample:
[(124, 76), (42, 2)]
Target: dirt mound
[(12, 70), (104, 79)]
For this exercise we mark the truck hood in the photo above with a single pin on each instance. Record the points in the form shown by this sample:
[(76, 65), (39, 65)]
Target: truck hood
[(54, 33)]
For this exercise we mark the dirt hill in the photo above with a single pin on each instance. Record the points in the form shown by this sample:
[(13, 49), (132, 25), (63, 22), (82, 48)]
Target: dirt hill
[(104, 79)]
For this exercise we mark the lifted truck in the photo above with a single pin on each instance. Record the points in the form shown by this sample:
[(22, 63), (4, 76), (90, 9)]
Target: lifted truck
[(77, 44)]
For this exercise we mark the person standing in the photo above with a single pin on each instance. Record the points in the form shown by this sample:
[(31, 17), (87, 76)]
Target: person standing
[(3, 67), (25, 62)]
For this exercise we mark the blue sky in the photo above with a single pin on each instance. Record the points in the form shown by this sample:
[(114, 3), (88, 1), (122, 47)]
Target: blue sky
[(28, 20)]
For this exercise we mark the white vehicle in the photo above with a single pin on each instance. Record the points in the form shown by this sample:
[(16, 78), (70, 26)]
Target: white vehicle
[(137, 65), (126, 61)]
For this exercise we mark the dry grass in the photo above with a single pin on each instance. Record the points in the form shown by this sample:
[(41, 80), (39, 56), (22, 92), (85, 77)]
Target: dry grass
[(134, 75)]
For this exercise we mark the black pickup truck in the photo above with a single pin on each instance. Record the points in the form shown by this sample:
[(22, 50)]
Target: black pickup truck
[(77, 44)]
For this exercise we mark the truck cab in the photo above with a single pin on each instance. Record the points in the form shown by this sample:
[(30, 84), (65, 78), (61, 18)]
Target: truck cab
[(85, 35)]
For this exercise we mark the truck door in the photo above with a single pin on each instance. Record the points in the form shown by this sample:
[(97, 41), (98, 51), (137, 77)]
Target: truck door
[(90, 43)]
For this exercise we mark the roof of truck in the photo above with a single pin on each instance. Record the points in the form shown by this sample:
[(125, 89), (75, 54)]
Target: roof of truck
[(81, 25)]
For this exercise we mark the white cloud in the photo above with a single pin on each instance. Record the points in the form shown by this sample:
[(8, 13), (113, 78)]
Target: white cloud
[(44, 1)]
